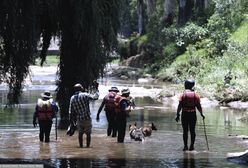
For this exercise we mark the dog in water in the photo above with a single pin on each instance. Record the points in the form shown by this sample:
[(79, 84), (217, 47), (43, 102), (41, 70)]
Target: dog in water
[(139, 134), (136, 133), (147, 129)]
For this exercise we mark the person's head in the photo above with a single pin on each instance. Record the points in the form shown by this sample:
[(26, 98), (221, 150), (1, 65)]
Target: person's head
[(46, 95), (189, 84), (114, 89), (78, 87), (125, 92)]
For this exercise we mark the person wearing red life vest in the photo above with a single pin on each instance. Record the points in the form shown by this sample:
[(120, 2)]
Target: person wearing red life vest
[(189, 101), (109, 103), (123, 107), (45, 111)]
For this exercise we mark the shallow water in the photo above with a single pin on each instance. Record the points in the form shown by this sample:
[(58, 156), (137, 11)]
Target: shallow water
[(163, 149), (19, 142)]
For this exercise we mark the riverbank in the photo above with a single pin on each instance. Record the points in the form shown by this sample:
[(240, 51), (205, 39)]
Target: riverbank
[(164, 92), (170, 91)]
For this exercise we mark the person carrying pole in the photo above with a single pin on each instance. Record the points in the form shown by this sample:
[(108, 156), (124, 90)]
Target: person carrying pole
[(45, 111), (188, 102)]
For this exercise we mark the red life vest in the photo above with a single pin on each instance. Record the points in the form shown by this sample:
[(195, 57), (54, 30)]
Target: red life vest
[(45, 111), (110, 101), (189, 101)]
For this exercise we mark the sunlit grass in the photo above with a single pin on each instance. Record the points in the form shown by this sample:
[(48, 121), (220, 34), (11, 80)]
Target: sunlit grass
[(50, 60), (241, 34)]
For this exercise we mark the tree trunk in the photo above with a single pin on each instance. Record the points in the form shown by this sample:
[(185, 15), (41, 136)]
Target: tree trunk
[(140, 11), (125, 15), (206, 3), (151, 5), (169, 8), (185, 11)]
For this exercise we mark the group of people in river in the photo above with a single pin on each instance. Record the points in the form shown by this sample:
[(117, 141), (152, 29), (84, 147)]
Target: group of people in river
[(117, 107)]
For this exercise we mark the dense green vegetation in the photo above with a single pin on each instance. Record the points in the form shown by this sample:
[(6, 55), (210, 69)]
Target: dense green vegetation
[(211, 47)]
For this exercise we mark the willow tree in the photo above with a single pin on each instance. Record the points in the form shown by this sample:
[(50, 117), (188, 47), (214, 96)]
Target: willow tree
[(87, 31), (19, 33)]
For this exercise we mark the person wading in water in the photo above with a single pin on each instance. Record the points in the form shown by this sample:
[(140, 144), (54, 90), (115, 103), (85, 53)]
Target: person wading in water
[(109, 103), (79, 111), (123, 107), (45, 111), (188, 102)]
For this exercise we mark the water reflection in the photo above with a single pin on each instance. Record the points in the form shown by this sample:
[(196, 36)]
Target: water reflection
[(18, 139), (188, 161)]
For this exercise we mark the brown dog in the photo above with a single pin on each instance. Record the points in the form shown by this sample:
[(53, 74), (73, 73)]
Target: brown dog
[(147, 129), (135, 133)]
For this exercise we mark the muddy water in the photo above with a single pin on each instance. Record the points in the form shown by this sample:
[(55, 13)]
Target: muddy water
[(19, 142)]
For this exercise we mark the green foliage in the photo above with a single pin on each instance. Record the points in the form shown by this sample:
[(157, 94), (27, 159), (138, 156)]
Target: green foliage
[(123, 48), (132, 46), (50, 60), (191, 33), (241, 35), (142, 41), (185, 66), (227, 16)]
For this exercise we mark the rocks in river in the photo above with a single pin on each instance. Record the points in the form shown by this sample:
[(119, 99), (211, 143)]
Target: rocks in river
[(238, 157)]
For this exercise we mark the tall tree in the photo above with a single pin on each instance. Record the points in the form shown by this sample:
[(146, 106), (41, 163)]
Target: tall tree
[(125, 19), (151, 6), (87, 31), (86, 45), (141, 13)]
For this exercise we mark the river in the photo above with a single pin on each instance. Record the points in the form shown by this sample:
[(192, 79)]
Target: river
[(19, 142)]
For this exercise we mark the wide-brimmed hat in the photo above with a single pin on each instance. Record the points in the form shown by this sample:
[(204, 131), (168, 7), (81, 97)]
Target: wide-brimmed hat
[(46, 94), (125, 91), (113, 89)]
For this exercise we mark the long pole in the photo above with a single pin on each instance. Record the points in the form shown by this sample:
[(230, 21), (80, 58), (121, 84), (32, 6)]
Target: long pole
[(205, 133), (56, 133)]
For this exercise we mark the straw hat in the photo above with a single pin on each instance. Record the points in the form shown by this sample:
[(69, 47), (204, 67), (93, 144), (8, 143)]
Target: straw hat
[(46, 94)]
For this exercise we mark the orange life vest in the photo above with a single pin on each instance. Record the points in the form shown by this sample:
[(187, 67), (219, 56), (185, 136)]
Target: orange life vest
[(118, 100), (45, 111)]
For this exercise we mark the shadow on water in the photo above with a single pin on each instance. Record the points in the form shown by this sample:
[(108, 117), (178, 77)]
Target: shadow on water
[(117, 163), (19, 142)]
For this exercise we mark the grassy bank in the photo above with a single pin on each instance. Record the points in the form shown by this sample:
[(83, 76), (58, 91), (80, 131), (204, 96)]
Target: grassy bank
[(50, 60), (223, 78)]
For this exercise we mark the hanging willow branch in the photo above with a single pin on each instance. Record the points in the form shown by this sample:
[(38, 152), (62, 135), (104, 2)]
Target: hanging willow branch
[(86, 45), (19, 36), (87, 32)]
